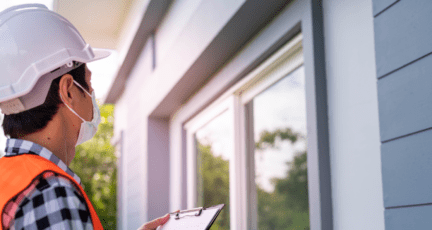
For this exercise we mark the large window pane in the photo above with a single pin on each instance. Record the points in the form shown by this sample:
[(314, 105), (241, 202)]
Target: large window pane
[(214, 151), (280, 154)]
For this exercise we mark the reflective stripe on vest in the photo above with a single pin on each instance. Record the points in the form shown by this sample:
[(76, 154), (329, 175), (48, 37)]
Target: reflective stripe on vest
[(17, 173)]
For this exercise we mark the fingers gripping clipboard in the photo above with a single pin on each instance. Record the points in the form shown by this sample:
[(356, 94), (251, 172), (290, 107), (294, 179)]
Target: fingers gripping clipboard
[(194, 219)]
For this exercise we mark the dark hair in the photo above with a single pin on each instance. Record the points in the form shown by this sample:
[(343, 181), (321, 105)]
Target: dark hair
[(35, 119)]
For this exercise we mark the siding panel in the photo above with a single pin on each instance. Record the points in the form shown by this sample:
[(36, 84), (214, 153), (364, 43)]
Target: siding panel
[(402, 34), (380, 5), (406, 167), (409, 218), (405, 100)]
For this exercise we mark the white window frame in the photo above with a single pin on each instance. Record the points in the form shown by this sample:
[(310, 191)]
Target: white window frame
[(243, 200)]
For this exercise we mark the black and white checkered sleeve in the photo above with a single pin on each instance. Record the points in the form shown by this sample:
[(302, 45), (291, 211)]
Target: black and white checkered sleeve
[(55, 204)]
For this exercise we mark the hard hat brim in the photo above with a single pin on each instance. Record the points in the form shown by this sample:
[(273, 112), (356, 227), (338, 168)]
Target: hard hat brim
[(100, 54)]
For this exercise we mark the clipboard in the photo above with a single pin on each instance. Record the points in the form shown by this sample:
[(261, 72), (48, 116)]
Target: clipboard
[(193, 219)]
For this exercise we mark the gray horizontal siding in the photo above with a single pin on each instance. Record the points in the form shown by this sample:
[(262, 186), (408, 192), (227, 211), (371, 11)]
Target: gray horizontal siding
[(402, 34), (405, 100), (418, 218), (380, 5), (404, 66), (407, 170)]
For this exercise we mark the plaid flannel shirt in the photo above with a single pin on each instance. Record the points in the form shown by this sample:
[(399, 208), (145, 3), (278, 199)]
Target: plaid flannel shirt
[(50, 202)]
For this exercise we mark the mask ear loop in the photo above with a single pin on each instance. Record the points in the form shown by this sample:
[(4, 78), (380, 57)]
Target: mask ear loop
[(82, 88), (67, 152), (61, 98), (71, 109)]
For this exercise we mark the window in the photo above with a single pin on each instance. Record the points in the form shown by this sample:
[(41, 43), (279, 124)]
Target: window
[(214, 147), (280, 156), (248, 148)]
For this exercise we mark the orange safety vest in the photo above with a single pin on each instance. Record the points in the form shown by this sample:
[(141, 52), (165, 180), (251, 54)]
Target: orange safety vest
[(17, 173)]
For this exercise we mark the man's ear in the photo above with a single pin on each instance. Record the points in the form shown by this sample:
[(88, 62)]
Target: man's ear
[(65, 88)]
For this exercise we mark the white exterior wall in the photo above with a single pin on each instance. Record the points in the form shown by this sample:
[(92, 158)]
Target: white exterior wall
[(352, 105), (120, 123), (185, 32), (185, 39), (199, 31), (130, 117), (168, 32), (173, 23), (353, 115)]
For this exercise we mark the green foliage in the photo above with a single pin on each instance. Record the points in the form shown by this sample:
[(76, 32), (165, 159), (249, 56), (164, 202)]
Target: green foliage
[(287, 207), (295, 184), (95, 164), (214, 184), (271, 139)]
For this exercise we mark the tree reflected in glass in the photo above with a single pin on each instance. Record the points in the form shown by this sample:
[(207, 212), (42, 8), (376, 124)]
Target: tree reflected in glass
[(287, 207), (214, 145), (214, 171), (279, 120)]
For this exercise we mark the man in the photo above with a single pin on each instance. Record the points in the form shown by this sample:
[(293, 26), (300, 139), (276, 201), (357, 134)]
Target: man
[(50, 108)]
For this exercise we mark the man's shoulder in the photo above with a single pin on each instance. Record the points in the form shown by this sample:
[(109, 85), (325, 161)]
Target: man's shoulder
[(49, 196), (59, 185)]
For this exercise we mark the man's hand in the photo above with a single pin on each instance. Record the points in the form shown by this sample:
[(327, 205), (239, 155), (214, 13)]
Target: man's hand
[(152, 225)]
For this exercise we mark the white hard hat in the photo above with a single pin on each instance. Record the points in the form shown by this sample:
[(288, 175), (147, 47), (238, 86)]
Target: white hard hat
[(36, 46)]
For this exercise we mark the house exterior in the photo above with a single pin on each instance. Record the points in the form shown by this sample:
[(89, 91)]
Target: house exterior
[(214, 81)]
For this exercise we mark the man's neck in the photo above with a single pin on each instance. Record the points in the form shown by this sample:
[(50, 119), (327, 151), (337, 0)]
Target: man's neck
[(55, 137)]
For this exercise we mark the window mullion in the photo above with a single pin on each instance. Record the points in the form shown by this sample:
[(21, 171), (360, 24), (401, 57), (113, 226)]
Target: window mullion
[(192, 170), (240, 165), (252, 205)]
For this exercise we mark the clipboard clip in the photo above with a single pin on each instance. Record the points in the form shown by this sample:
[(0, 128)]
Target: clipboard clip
[(198, 210)]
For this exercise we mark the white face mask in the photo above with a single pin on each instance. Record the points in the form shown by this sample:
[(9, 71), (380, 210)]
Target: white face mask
[(88, 128)]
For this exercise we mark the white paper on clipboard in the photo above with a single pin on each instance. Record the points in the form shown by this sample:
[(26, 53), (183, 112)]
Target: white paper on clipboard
[(196, 219)]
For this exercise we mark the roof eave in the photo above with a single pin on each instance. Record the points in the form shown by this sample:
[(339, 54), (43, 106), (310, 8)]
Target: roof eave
[(153, 15)]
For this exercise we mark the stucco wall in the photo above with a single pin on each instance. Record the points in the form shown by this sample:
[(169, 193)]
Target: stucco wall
[(353, 115)]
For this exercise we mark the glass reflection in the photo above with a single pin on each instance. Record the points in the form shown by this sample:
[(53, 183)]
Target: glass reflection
[(214, 151), (280, 154)]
